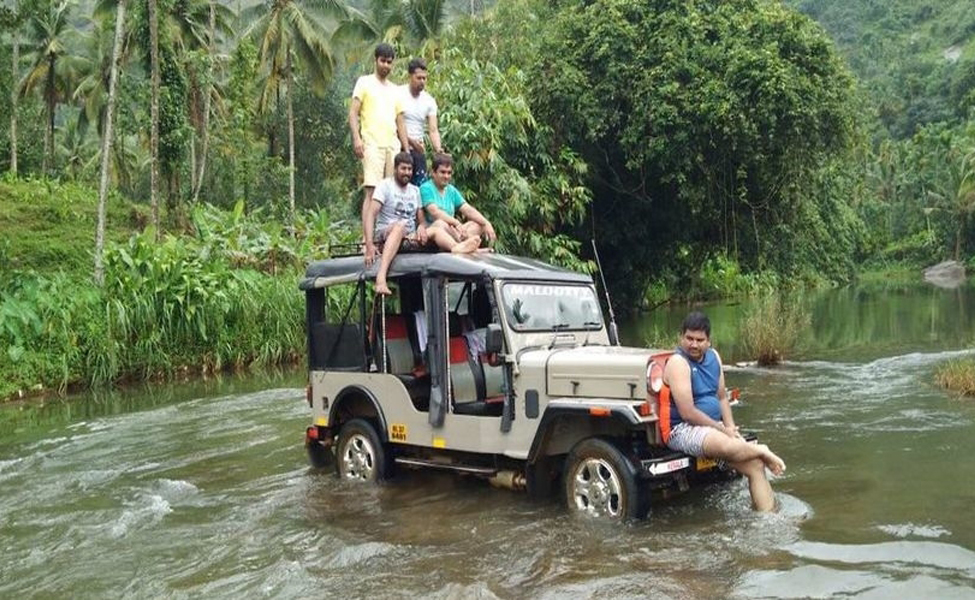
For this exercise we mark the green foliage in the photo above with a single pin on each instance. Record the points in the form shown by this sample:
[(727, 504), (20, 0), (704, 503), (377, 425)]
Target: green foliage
[(914, 59), (508, 164), (224, 298), (709, 124), (772, 327), (957, 376), (52, 225)]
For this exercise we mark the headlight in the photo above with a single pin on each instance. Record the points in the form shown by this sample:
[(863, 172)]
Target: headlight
[(655, 377)]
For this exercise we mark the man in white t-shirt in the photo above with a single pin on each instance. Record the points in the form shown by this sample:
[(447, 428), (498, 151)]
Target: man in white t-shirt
[(418, 112)]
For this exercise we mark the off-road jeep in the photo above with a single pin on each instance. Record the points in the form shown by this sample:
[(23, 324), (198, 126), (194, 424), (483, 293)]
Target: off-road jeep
[(491, 365)]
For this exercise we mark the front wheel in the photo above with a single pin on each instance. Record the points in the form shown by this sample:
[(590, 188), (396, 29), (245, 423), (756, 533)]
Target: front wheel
[(360, 454), (601, 483)]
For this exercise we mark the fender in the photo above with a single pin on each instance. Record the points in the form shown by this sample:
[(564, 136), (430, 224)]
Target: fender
[(625, 414), (357, 390)]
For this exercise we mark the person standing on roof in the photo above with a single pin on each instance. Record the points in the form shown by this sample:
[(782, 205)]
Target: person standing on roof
[(372, 121), (702, 425), (441, 201), (418, 113)]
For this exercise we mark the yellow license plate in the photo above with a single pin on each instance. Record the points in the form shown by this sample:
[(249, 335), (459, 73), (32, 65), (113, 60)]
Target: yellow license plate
[(705, 464)]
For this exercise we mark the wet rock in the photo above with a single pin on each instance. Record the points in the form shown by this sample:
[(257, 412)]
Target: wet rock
[(948, 274)]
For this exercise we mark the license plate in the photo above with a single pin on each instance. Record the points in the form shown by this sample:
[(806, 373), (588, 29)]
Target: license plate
[(705, 464)]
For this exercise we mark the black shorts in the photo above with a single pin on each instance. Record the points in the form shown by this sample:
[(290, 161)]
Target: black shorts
[(419, 167)]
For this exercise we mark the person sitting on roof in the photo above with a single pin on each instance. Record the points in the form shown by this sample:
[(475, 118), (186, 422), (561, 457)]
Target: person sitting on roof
[(395, 221), (441, 200)]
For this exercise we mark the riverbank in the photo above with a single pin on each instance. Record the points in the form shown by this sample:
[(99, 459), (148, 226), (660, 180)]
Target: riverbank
[(221, 297)]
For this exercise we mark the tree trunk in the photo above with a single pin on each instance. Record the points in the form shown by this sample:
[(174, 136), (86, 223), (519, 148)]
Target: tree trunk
[(206, 104), (291, 147), (51, 101), (107, 143), (154, 115), (15, 53)]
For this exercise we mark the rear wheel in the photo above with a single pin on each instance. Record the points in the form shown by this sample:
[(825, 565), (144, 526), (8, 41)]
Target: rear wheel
[(360, 454), (601, 483)]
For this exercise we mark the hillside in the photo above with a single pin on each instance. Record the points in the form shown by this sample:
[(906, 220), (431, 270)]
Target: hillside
[(49, 226), (916, 60)]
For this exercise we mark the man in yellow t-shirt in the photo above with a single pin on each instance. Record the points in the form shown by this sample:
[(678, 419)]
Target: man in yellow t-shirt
[(372, 120)]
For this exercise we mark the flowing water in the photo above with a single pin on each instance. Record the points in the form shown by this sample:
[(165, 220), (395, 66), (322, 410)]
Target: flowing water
[(202, 490)]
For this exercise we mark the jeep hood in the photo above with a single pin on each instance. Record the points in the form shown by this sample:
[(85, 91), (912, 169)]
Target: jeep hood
[(599, 372)]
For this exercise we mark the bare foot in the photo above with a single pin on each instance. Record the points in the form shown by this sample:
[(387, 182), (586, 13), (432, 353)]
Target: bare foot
[(467, 246), (772, 461), (382, 288), (485, 250)]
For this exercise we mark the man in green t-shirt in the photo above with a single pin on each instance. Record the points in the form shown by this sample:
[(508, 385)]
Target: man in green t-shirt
[(441, 201)]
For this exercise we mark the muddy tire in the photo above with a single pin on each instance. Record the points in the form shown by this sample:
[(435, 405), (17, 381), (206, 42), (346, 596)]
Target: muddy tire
[(601, 483), (360, 455)]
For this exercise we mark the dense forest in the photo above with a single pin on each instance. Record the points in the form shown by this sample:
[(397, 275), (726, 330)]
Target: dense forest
[(708, 146)]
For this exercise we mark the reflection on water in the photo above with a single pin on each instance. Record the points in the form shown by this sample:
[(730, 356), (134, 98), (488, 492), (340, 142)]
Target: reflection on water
[(849, 324), (202, 490)]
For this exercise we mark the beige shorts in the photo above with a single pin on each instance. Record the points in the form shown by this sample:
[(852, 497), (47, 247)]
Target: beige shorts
[(377, 164)]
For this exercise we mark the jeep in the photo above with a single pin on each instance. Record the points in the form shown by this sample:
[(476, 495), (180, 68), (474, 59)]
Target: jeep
[(495, 366)]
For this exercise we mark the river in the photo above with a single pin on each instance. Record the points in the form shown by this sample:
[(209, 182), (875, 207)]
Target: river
[(202, 489)]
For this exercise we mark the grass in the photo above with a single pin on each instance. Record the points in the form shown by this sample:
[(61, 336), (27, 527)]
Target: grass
[(771, 328), (957, 376), (50, 225)]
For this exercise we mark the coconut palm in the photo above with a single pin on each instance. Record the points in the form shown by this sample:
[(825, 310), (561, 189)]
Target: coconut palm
[(12, 19), (292, 33), (51, 66), (107, 140)]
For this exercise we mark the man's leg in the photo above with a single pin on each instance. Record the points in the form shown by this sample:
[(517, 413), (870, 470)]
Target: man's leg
[(763, 499), (471, 229), (419, 167), (748, 459), (392, 238), (442, 238), (373, 166)]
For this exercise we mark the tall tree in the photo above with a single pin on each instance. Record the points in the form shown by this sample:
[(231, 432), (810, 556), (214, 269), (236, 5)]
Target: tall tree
[(154, 112), (107, 142), (51, 68), (288, 32), (200, 170), (15, 21)]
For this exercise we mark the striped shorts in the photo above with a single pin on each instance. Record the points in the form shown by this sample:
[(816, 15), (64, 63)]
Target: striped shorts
[(688, 439)]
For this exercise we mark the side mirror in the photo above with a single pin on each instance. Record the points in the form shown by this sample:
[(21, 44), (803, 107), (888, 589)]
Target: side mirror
[(493, 339)]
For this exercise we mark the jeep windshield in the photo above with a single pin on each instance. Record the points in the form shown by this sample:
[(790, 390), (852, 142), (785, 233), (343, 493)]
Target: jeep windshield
[(550, 307)]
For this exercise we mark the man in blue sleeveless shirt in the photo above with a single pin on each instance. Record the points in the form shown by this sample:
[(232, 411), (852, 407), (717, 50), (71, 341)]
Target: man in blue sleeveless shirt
[(702, 425)]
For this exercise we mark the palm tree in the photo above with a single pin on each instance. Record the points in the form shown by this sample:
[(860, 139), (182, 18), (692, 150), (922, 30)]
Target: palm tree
[(393, 21), (51, 70), (288, 31), (107, 142), (154, 113), (13, 21)]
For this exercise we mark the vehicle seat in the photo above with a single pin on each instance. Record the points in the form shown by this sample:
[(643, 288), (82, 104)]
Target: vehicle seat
[(463, 378), (400, 358), (488, 377)]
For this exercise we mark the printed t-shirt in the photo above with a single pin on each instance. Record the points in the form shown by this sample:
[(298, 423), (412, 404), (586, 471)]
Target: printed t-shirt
[(399, 204)]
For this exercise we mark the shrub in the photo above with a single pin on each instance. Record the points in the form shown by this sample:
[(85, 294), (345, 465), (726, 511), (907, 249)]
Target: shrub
[(957, 376), (771, 328)]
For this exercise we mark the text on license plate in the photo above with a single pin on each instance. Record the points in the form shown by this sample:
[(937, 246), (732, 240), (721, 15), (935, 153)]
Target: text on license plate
[(704, 464)]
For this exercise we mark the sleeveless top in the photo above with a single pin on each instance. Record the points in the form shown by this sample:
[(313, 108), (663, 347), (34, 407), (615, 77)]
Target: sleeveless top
[(705, 376)]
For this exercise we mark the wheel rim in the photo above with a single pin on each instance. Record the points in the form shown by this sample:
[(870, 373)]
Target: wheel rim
[(358, 458), (597, 489)]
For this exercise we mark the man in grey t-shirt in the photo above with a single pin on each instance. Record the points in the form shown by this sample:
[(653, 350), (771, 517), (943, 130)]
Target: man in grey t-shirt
[(394, 215), (418, 112)]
